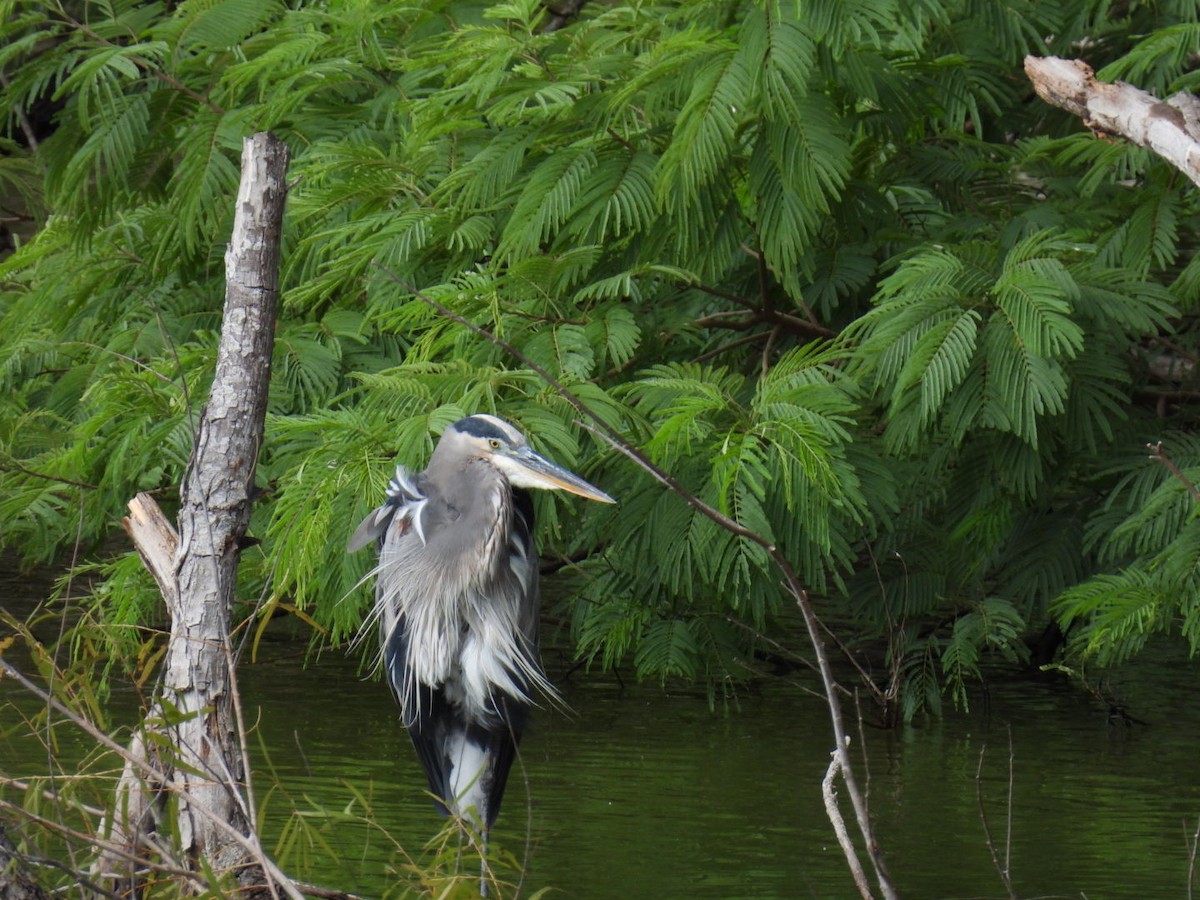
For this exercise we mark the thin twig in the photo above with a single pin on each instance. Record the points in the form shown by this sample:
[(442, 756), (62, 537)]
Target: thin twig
[(147, 68), (78, 877), (760, 672), (1175, 348), (250, 844), (26, 125), (10, 466), (1156, 452), (314, 890), (1192, 845), (731, 345), (767, 314), (26, 787), (729, 319), (864, 676), (67, 832), (767, 639), (724, 295), (1001, 867), (862, 742), (620, 140), (1008, 826)]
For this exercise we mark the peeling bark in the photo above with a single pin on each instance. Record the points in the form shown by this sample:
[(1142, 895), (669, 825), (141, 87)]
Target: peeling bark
[(196, 568), (561, 13), (15, 882), (1169, 128)]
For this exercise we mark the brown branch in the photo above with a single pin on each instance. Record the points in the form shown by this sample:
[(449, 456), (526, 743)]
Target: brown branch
[(1156, 452), (764, 281), (727, 321), (730, 345), (1003, 868), (146, 67), (768, 314), (772, 336), (724, 295), (620, 140), (1169, 128), (11, 466)]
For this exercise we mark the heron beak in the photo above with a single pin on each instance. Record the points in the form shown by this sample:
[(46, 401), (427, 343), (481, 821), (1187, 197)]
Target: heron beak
[(529, 470)]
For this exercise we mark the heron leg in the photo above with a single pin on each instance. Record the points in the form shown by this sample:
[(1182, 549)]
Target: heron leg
[(483, 864)]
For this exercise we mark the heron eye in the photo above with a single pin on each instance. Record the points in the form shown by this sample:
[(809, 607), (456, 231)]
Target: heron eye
[(494, 443)]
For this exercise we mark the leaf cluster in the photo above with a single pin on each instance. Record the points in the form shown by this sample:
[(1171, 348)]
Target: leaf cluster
[(825, 262)]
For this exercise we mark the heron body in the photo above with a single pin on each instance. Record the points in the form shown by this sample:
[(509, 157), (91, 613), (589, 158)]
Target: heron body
[(457, 604)]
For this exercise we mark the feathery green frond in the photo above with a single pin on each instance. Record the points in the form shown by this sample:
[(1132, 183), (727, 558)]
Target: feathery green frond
[(826, 263)]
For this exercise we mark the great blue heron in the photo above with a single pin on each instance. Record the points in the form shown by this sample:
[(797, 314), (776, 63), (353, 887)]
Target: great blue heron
[(457, 605)]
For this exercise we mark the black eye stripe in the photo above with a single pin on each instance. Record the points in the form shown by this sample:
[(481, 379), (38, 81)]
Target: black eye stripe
[(479, 427)]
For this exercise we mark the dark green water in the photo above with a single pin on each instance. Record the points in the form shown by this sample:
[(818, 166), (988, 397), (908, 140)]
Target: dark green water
[(645, 793)]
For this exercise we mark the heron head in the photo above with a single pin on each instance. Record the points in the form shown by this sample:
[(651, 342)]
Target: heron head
[(504, 447)]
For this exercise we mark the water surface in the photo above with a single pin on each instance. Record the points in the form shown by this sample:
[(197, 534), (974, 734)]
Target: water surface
[(643, 792)]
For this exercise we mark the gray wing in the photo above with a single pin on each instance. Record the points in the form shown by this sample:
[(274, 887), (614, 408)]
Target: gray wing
[(403, 496)]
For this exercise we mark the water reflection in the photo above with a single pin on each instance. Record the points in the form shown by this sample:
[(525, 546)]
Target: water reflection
[(644, 793)]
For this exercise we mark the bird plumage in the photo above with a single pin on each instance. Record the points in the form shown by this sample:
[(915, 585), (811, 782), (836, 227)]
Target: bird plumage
[(457, 605)]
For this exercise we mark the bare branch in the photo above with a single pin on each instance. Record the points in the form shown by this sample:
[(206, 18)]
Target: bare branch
[(10, 466), (834, 814), (1002, 867), (1169, 128), (155, 539), (1193, 843), (1156, 452)]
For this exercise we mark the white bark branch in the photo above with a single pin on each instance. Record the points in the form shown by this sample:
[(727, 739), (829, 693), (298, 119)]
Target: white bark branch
[(1170, 128), (196, 568), (834, 814), (215, 506), (155, 539)]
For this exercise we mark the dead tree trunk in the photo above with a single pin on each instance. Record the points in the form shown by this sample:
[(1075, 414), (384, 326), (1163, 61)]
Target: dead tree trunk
[(189, 754), (15, 882)]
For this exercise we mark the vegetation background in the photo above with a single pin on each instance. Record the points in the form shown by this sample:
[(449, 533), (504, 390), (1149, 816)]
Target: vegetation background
[(831, 264)]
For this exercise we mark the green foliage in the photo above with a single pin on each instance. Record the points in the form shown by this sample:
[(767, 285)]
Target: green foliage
[(825, 262)]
